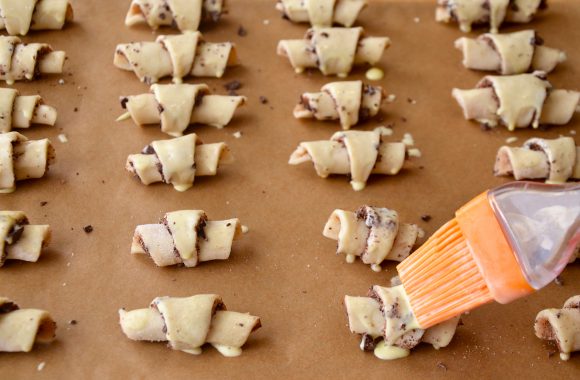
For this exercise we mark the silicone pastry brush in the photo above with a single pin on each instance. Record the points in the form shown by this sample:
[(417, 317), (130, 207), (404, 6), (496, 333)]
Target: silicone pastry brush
[(504, 244)]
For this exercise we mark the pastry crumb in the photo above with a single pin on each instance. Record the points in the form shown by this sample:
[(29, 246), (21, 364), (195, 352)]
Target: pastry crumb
[(62, 138), (573, 132), (376, 268), (391, 98), (384, 131), (266, 22), (374, 74), (237, 134), (61, 81), (411, 101), (64, 284), (396, 281), (408, 139), (40, 366), (511, 140), (442, 366), (245, 229), (414, 152), (420, 233)]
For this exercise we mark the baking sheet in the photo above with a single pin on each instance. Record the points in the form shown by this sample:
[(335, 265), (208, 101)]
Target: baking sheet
[(283, 270)]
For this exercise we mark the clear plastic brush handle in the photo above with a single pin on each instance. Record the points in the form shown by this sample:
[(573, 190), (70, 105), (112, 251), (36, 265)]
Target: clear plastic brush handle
[(542, 224)]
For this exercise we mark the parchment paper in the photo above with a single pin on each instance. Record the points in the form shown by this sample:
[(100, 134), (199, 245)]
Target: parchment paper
[(283, 270)]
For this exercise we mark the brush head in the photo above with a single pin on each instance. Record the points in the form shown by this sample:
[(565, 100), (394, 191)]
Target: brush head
[(468, 262)]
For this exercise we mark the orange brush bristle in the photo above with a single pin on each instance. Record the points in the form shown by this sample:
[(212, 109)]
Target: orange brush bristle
[(468, 262)]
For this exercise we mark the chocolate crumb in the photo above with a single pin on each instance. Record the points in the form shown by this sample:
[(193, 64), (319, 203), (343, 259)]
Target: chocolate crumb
[(263, 100), (304, 292), (559, 281), (72, 322), (233, 86), (88, 229), (404, 119), (43, 203), (426, 217), (442, 366), (242, 32), (551, 353), (484, 127), (76, 109)]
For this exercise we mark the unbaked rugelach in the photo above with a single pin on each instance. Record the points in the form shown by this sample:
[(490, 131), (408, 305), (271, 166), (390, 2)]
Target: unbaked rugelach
[(322, 13), (18, 111), (185, 15), (20, 16), (20, 329), (561, 326), (20, 240)]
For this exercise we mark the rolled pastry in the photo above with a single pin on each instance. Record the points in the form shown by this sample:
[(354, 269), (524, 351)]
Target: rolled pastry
[(556, 160), (388, 326), (561, 326), (510, 53), (323, 13), (178, 161), (190, 322), (19, 61), (22, 159), (493, 12), (374, 234), (22, 111), (349, 102), (176, 106), (19, 240), (333, 50), (20, 329), (178, 56), (18, 17), (186, 237), (518, 101), (185, 15), (355, 153)]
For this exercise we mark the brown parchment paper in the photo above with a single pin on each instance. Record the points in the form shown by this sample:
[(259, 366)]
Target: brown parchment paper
[(283, 270)]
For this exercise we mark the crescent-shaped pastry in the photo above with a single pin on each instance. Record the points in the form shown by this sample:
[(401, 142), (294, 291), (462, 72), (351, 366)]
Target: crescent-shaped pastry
[(19, 61), (334, 51), (177, 56), (20, 16), (372, 233), (493, 12), (349, 102), (22, 159), (186, 237), (20, 329), (518, 101), (388, 326), (18, 111), (324, 13), (556, 160), (190, 322), (355, 153), (176, 106), (20, 240), (186, 15), (561, 326), (178, 161), (510, 53)]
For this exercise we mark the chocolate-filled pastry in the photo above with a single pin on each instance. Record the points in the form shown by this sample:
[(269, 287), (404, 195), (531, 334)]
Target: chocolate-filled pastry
[(349, 102), (178, 56), (20, 329), (518, 101), (19, 61), (19, 240), (334, 51), (185, 15), (388, 326), (482, 12), (556, 160), (190, 322), (561, 326), (176, 106), (355, 153), (324, 13), (22, 159), (186, 237), (372, 233), (18, 111), (510, 53), (178, 161), (20, 16)]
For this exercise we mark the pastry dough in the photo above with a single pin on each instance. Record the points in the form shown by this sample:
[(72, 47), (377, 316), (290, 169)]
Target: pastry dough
[(186, 15), (349, 102), (561, 326), (556, 160), (20, 16), (510, 53), (19, 61), (22, 159), (178, 161), (323, 13), (355, 153), (176, 106), (388, 326), (518, 101), (20, 240), (178, 56), (333, 50), (372, 233), (22, 111), (186, 237), (190, 322), (20, 329), (492, 12)]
